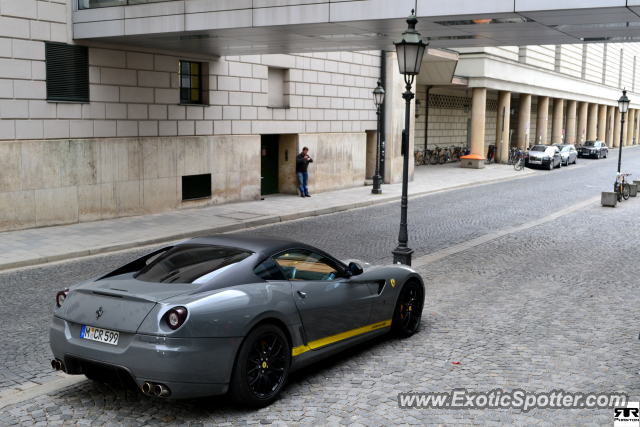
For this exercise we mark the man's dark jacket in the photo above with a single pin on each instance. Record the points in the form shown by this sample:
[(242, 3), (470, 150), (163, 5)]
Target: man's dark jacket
[(301, 163)]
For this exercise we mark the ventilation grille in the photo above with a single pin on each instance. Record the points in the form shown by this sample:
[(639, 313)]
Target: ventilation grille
[(67, 72), (457, 102)]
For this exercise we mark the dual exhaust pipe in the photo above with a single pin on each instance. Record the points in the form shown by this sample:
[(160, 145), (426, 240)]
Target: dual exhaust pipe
[(57, 365), (159, 390)]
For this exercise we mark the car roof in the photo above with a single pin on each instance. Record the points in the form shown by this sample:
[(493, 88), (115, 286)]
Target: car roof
[(267, 245)]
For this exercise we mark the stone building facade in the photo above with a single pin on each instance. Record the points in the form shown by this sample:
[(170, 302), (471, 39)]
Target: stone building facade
[(578, 84), (126, 151)]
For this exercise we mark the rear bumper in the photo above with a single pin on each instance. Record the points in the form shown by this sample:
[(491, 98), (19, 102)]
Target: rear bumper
[(190, 367)]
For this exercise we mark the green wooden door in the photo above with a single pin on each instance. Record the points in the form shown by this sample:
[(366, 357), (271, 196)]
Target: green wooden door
[(269, 163)]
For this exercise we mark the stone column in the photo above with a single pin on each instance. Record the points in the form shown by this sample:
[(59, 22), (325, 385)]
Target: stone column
[(570, 131), (394, 106), (543, 120), (602, 122), (616, 128), (611, 116), (624, 129), (524, 119), (581, 137), (592, 122), (637, 127), (629, 124), (556, 126), (478, 114), (502, 135)]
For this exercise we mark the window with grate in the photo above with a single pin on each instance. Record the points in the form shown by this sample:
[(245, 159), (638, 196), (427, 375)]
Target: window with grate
[(67, 68), (190, 82)]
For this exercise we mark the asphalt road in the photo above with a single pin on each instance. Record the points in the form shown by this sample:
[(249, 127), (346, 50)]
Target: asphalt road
[(550, 307)]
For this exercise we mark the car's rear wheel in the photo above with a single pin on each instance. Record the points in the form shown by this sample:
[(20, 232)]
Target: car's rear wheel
[(261, 367), (408, 312)]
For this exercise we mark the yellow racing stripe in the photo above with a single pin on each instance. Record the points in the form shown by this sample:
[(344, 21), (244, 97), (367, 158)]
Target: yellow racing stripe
[(314, 345)]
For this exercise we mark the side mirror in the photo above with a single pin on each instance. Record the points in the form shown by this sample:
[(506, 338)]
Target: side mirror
[(355, 269)]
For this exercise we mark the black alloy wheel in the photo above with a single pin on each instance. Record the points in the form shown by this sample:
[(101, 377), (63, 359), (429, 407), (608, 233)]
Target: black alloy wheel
[(261, 367), (408, 312)]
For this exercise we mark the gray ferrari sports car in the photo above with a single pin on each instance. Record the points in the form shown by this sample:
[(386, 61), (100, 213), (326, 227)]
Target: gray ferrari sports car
[(232, 313)]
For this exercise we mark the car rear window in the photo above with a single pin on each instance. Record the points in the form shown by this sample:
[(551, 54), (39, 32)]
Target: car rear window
[(190, 264)]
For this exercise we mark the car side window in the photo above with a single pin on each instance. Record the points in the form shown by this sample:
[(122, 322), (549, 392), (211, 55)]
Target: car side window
[(306, 265), (269, 270)]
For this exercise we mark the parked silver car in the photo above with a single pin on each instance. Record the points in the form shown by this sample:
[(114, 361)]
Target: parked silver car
[(568, 153), (225, 313), (546, 156)]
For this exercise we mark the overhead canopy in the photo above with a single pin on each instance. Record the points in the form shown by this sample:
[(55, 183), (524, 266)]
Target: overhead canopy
[(244, 27)]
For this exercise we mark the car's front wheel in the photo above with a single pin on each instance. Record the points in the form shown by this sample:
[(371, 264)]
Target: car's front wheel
[(408, 312), (261, 367)]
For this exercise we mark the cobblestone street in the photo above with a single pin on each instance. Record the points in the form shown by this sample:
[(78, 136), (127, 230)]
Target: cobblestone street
[(551, 307)]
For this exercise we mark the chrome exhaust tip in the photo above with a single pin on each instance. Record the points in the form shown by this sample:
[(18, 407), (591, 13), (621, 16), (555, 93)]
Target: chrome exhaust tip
[(161, 390), (53, 364), (57, 365), (147, 388)]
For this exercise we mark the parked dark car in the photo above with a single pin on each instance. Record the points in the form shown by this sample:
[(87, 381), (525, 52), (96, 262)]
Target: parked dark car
[(568, 153), (597, 149), (546, 156)]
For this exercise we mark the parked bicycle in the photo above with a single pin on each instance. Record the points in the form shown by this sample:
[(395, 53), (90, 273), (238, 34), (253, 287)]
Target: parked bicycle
[(457, 153), (513, 155), (519, 160), (434, 156), (621, 186), (444, 157), (418, 158)]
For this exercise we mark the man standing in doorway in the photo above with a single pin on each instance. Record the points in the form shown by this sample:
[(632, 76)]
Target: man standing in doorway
[(302, 163)]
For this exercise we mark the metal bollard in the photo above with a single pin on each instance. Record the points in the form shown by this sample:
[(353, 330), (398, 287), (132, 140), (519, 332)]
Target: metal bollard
[(633, 190)]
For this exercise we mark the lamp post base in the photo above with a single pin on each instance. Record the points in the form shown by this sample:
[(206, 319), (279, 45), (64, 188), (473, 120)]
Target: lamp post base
[(377, 182), (402, 256)]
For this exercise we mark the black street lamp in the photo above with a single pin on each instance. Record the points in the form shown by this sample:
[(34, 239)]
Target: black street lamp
[(410, 49), (623, 104), (378, 99)]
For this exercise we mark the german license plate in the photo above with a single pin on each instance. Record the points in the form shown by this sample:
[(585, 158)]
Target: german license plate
[(98, 334)]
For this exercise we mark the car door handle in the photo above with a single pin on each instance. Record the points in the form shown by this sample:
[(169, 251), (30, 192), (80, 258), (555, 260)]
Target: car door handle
[(302, 294)]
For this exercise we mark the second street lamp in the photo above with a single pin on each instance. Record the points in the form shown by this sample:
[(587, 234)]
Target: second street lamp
[(410, 50), (378, 99), (623, 104)]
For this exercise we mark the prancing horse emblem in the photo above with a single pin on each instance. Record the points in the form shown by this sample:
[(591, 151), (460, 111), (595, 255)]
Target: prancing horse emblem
[(99, 313)]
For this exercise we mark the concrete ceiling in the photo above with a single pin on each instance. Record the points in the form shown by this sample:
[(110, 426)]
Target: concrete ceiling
[(244, 27)]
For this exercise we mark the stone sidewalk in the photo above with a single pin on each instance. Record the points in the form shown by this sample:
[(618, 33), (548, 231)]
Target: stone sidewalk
[(41, 245)]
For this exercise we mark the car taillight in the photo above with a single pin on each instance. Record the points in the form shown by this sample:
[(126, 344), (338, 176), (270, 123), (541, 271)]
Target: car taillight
[(62, 295), (176, 317)]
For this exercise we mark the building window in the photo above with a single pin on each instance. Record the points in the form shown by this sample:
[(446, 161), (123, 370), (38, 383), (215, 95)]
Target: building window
[(196, 187), (190, 82), (67, 68), (277, 98)]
